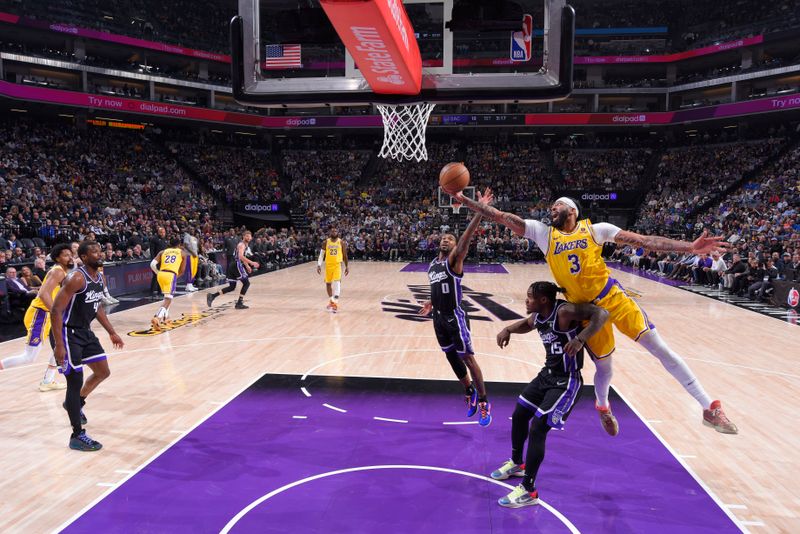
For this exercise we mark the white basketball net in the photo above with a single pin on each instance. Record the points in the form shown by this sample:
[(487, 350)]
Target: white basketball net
[(404, 131)]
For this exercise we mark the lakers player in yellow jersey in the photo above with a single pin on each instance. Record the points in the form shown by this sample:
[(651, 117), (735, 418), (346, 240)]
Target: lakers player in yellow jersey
[(572, 248), (168, 266), (333, 253), (37, 318)]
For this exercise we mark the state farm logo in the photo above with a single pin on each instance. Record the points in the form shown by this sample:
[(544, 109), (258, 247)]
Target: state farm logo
[(794, 298), (629, 118), (393, 79), (301, 122), (397, 15)]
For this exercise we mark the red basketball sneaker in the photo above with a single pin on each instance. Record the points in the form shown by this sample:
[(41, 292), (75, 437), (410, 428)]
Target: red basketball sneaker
[(607, 419), (716, 419)]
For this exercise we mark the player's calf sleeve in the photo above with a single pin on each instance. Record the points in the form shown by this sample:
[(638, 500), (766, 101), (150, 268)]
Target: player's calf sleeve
[(231, 287), (73, 401), (535, 455), (675, 365), (245, 287), (337, 288), (603, 372), (25, 358), (519, 432), (458, 365)]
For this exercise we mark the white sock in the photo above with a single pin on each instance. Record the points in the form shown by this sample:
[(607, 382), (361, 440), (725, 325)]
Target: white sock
[(50, 372), (603, 371), (673, 363), (25, 358), (337, 289)]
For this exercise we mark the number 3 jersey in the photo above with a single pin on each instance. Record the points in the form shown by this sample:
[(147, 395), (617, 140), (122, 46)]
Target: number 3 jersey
[(576, 262), (82, 308), (556, 359)]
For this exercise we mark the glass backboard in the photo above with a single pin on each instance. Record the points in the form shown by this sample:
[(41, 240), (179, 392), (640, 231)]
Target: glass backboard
[(287, 52)]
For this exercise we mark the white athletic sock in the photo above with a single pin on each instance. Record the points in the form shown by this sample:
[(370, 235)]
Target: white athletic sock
[(337, 289), (25, 358), (673, 363), (50, 372), (603, 372)]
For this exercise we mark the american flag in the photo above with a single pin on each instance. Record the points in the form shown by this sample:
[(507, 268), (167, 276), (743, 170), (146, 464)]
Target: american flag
[(283, 56)]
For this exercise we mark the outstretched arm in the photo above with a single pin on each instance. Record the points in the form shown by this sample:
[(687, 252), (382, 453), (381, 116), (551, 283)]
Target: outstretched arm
[(458, 254), (515, 223), (702, 245), (571, 313), (520, 327)]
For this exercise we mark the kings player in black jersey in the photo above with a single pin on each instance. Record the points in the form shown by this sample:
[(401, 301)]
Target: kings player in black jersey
[(75, 307), (450, 322), (550, 397)]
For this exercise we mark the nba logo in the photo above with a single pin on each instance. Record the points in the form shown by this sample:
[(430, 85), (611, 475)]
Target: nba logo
[(794, 298), (521, 41)]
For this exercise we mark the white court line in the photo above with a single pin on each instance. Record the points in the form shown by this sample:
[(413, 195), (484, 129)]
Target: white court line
[(397, 351), (106, 484), (148, 461), (299, 417), (390, 420), (689, 470), (460, 423), (125, 352), (305, 392), (334, 408), (244, 511)]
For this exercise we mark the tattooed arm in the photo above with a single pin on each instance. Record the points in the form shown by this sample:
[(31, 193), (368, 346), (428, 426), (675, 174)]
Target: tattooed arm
[(701, 245), (515, 223)]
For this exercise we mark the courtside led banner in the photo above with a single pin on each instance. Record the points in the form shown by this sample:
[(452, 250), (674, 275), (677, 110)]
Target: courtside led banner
[(146, 107)]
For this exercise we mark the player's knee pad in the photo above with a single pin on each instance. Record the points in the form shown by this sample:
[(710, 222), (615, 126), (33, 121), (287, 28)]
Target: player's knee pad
[(458, 365), (245, 286)]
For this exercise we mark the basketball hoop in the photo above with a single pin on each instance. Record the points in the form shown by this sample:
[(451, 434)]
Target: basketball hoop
[(404, 131), (456, 207)]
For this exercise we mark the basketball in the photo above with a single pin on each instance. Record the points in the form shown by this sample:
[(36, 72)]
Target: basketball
[(454, 177)]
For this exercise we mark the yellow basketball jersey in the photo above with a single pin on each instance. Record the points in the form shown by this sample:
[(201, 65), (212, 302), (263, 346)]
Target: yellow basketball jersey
[(576, 262), (333, 252), (39, 303), (171, 260)]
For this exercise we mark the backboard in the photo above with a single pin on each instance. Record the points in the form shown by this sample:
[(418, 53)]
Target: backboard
[(472, 51), (446, 201)]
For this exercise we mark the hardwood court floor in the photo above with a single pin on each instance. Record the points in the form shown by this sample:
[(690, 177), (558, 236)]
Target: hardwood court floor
[(163, 385)]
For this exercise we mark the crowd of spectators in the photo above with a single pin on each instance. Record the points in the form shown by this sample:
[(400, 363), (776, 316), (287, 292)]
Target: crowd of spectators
[(602, 169), (235, 174), (687, 178), (761, 223)]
